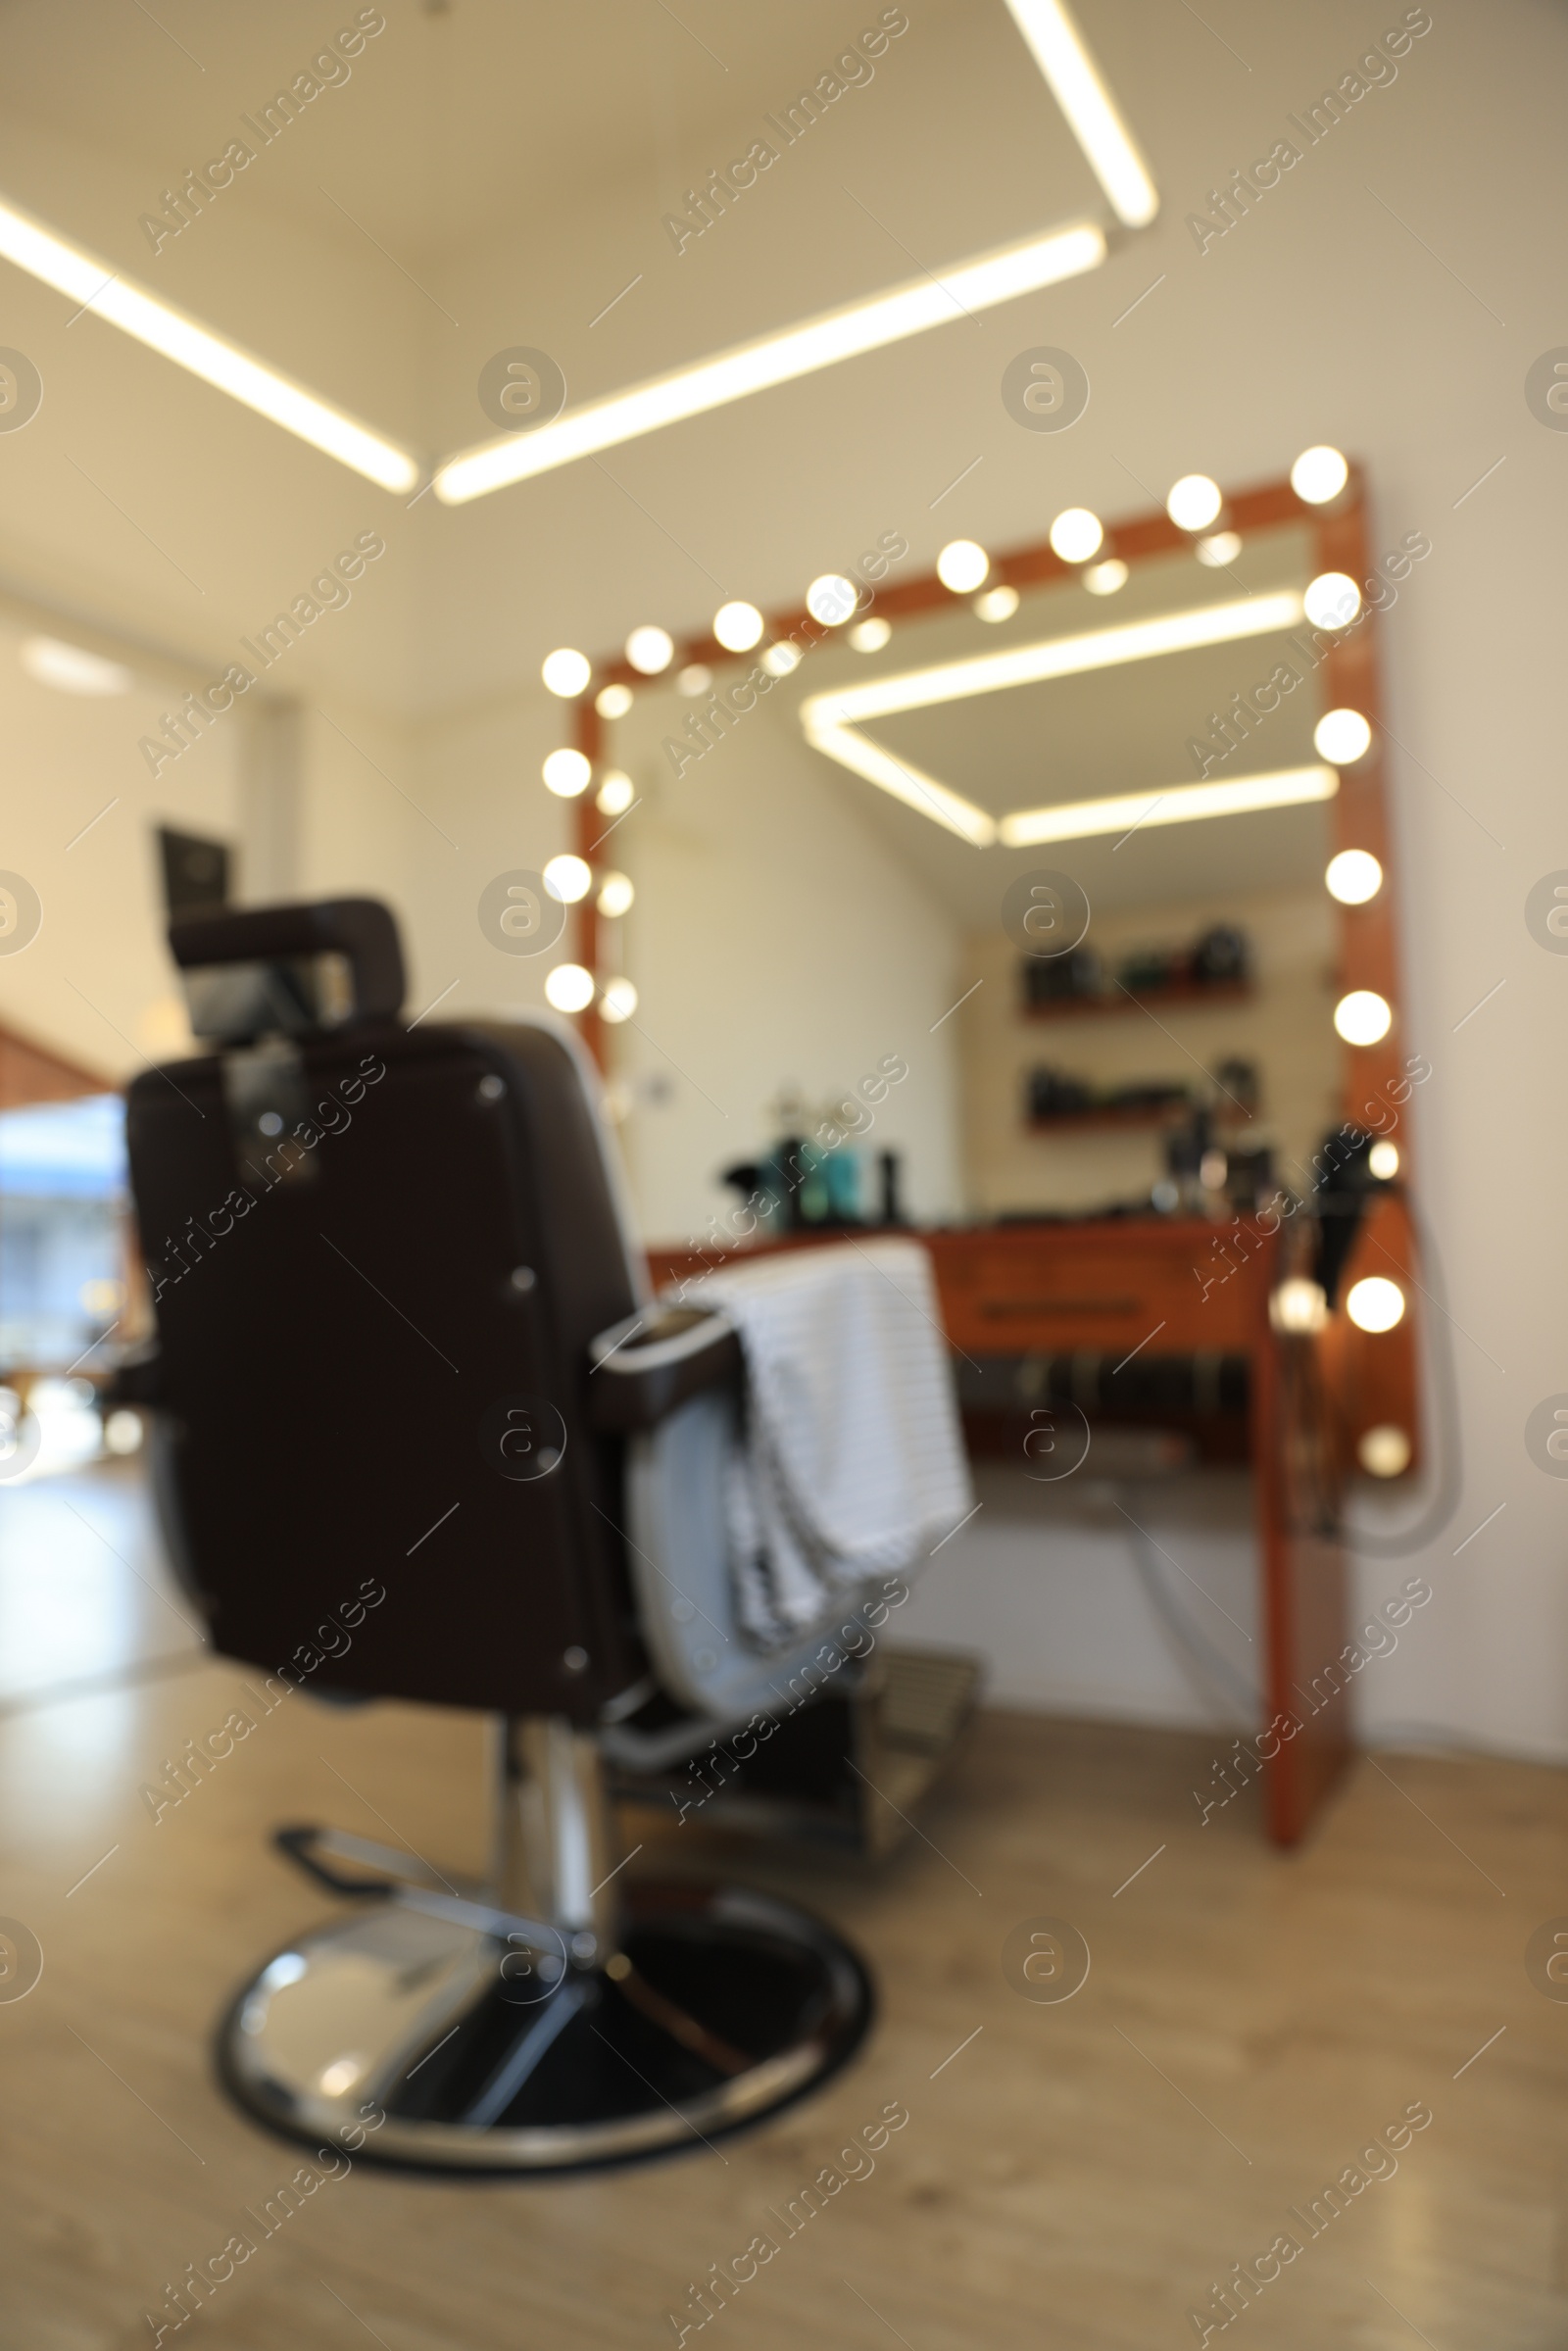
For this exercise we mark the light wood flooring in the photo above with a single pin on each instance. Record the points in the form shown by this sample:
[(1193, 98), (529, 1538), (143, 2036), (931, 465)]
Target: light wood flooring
[(1071, 2174)]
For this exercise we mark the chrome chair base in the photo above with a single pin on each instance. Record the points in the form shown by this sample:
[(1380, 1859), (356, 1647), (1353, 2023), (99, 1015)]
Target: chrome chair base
[(407, 2039)]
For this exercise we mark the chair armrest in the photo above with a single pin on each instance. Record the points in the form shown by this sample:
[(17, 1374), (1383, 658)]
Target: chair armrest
[(642, 1368)]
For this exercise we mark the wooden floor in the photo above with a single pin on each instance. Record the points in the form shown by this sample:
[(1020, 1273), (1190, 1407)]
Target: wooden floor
[(1074, 2174)]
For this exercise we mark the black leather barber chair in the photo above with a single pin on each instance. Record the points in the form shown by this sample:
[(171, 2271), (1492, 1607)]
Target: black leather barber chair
[(419, 1434)]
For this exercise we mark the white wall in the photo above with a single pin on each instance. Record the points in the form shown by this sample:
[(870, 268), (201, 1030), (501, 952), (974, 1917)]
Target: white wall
[(1388, 295)]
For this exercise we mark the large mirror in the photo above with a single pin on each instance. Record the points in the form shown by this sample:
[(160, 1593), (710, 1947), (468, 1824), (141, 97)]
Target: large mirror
[(1082, 851)]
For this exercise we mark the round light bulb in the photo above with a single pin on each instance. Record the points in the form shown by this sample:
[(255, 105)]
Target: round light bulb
[(1375, 1304), (650, 650), (869, 636), (568, 879), (1384, 1452), (1364, 1017), (1341, 737), (780, 659), (1103, 579), (565, 672), (567, 772), (832, 598), (1333, 600), (1077, 534), (616, 895), (996, 604), (1194, 502), (1298, 1304), (1353, 876), (614, 701), (1384, 1161), (962, 566), (1222, 547), (694, 678), (615, 794), (618, 1001), (738, 626), (570, 988), (1319, 475)]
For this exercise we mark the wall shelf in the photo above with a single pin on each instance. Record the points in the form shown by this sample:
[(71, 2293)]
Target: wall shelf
[(1180, 992)]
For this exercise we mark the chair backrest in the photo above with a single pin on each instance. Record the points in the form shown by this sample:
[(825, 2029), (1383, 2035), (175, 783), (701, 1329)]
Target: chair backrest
[(378, 1255)]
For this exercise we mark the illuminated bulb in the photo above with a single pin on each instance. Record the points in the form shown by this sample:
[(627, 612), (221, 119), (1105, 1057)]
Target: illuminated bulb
[(618, 1001), (567, 773), (615, 794), (737, 626), (832, 598), (1364, 1017), (1103, 579), (1332, 601), (568, 879), (780, 659), (565, 672), (340, 2076), (1299, 1305), (71, 669), (616, 895), (570, 988), (1384, 1452), (1319, 475), (614, 701), (122, 1432), (1077, 534), (962, 566), (996, 604), (650, 650), (1341, 737), (1353, 876), (694, 678), (1219, 550), (1384, 1161), (1375, 1304), (1194, 502), (869, 636)]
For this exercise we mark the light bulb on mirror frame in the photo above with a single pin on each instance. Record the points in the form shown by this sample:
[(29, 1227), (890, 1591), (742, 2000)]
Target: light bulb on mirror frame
[(570, 988), (1384, 1452), (1341, 737), (650, 650), (869, 636), (1076, 534), (568, 879), (781, 657), (617, 1001), (1319, 475), (566, 774), (1383, 1160), (565, 672), (1220, 548), (614, 701), (694, 678), (1194, 502), (1332, 600), (1375, 1304), (962, 564), (1103, 579), (1353, 876), (1363, 1017), (616, 895), (832, 598), (1299, 1305), (615, 794), (738, 626)]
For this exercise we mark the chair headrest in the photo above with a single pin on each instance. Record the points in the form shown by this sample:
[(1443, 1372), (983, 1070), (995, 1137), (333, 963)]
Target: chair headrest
[(289, 970)]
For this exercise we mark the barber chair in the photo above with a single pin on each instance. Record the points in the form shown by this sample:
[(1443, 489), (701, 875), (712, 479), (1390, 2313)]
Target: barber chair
[(408, 1378)]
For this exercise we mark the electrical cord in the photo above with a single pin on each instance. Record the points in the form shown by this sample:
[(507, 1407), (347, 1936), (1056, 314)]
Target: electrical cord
[(1443, 1386), (1212, 1667)]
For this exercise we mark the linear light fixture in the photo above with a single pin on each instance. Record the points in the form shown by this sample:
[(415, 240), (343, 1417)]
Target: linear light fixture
[(1178, 803), (1092, 117), (85, 279), (831, 722), (775, 359)]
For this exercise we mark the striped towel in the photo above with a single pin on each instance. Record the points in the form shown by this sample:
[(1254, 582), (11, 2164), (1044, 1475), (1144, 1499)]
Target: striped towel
[(852, 1463)]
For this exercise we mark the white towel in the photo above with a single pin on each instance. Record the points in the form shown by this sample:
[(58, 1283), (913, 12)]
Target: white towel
[(853, 1463)]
